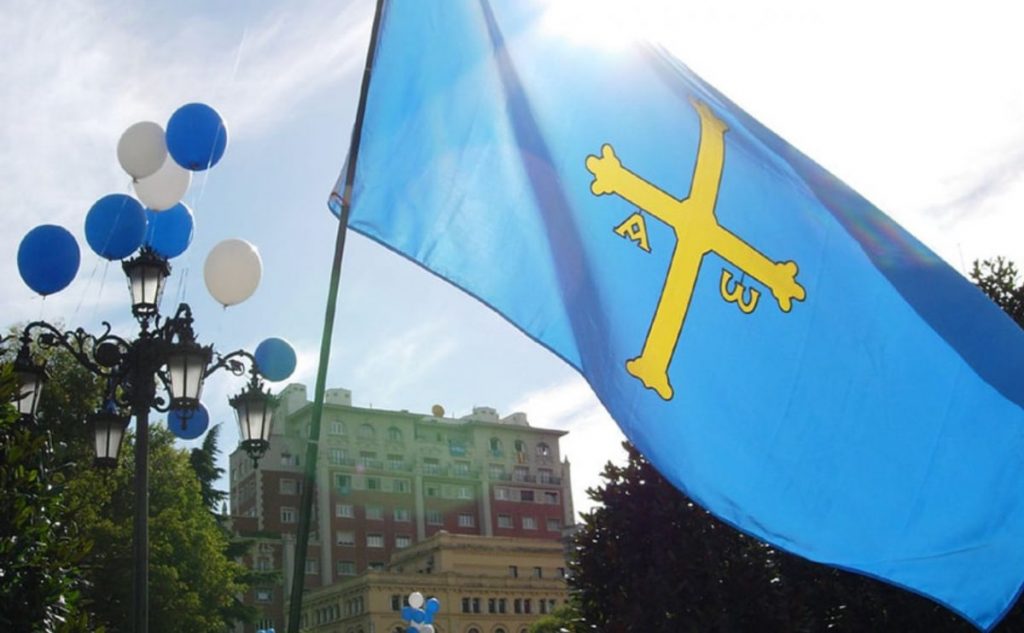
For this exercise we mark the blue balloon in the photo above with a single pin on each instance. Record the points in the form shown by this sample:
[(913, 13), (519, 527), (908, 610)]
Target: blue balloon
[(275, 359), (432, 607), (196, 136), (48, 258), (191, 428), (418, 615), (407, 612), (115, 226), (169, 232)]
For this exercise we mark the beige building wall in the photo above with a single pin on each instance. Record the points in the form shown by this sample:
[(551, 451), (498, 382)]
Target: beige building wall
[(484, 585)]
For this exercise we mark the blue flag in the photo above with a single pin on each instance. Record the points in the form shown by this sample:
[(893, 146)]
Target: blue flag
[(777, 347)]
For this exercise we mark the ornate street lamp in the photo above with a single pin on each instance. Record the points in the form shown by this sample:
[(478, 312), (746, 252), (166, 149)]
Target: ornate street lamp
[(254, 410), (108, 427), (146, 275), (164, 354), (31, 378)]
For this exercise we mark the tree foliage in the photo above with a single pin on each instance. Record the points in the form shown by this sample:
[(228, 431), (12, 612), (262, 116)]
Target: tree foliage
[(649, 559), (194, 580), (39, 550), (1000, 280)]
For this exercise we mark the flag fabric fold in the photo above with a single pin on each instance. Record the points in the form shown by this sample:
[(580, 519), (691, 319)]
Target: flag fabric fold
[(778, 348)]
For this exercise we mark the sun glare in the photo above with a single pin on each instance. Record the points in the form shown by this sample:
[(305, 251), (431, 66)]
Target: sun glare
[(604, 23)]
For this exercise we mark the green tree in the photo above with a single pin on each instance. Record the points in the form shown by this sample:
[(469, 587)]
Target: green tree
[(1000, 280), (39, 551), (193, 584), (564, 619), (194, 579)]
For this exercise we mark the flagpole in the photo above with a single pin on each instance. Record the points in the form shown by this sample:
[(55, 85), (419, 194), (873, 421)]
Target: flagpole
[(313, 443)]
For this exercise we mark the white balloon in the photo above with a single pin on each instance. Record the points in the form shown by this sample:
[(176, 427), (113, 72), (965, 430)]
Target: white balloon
[(415, 600), (232, 271), (142, 149), (165, 188), (426, 628)]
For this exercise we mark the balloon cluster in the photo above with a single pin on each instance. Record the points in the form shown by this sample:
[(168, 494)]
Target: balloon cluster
[(161, 165), (117, 225), (420, 615)]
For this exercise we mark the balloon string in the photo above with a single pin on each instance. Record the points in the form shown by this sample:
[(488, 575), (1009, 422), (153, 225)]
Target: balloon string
[(85, 291)]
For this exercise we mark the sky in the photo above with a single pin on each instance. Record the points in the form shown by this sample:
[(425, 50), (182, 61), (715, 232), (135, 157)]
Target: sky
[(915, 105)]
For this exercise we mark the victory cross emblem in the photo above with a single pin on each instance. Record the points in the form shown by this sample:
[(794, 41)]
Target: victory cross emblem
[(697, 233)]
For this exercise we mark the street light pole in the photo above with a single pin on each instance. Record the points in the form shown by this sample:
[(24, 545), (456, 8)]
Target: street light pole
[(165, 353)]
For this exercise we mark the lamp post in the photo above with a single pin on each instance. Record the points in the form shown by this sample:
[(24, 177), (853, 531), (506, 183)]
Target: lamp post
[(163, 368)]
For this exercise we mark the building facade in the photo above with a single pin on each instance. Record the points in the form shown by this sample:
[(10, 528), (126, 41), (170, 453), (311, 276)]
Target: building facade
[(484, 585), (389, 480)]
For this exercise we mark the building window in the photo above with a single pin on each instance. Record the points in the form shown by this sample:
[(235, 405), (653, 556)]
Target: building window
[(538, 572), (288, 487), (527, 605), (464, 492), (467, 520), (375, 566), (396, 604), (431, 466), (521, 473), (529, 523), (394, 434), (346, 568), (544, 475), (504, 521), (543, 450), (373, 483), (526, 495), (366, 432), (337, 427), (550, 497), (287, 514), (502, 606), (520, 446), (375, 540), (517, 605), (434, 517), (403, 515), (543, 604), (502, 494), (344, 511), (400, 485), (432, 490), (312, 566), (465, 605), (554, 525), (336, 456), (287, 459), (374, 513), (495, 447), (402, 541), (496, 471), (264, 595), (492, 605), (476, 605), (343, 483), (395, 462), (461, 468), (345, 537), (262, 564), (513, 571), (368, 459)]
